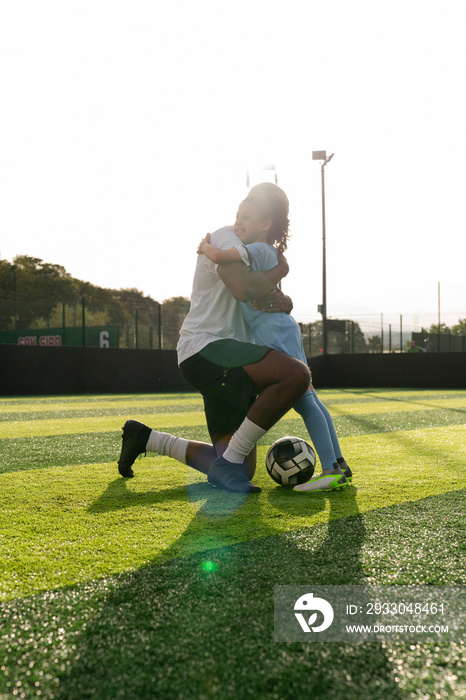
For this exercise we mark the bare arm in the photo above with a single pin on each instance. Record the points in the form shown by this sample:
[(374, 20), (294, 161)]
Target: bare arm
[(246, 284), (273, 302), (217, 255)]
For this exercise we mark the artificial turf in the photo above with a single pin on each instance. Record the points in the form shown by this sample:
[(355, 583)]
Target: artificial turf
[(162, 586)]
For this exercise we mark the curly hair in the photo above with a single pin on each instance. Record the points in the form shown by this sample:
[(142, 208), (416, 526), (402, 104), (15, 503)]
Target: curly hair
[(273, 204)]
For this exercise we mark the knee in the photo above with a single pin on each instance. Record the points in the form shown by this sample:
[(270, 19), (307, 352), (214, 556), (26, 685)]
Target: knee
[(300, 377)]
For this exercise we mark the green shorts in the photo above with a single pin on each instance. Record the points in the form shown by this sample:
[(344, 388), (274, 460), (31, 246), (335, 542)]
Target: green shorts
[(228, 391)]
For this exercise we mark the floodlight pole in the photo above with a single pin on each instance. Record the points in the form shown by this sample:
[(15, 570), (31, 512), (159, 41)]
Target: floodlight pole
[(324, 266), (322, 155)]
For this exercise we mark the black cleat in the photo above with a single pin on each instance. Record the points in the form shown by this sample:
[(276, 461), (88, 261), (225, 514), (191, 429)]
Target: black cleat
[(231, 477), (135, 437)]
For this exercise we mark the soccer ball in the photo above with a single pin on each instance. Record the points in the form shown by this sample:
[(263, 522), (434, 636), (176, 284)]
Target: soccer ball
[(290, 461)]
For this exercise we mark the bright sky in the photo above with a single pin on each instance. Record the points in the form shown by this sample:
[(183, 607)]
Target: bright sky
[(126, 130)]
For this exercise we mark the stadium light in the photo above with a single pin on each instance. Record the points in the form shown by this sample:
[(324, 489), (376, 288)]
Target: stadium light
[(322, 308)]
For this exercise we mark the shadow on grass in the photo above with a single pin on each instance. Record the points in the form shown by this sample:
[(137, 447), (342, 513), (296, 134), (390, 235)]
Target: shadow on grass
[(117, 497), (200, 625)]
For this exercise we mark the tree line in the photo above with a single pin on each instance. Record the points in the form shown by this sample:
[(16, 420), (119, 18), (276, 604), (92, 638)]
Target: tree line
[(36, 294)]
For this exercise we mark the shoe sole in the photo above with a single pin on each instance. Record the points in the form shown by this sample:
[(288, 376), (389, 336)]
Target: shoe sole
[(337, 487)]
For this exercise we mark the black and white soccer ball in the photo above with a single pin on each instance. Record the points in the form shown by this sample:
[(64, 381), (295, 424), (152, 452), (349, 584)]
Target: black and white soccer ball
[(290, 461)]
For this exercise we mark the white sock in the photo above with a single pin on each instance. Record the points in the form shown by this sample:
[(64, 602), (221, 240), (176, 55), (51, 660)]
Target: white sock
[(169, 445), (243, 441)]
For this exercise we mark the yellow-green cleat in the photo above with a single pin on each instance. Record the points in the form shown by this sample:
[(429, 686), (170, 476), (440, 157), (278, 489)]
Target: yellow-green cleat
[(328, 480)]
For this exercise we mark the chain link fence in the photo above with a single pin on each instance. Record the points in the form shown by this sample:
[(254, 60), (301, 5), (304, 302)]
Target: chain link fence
[(84, 322), (41, 304)]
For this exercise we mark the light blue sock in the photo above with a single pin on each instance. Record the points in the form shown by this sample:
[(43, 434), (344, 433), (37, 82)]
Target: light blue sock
[(317, 427), (331, 427)]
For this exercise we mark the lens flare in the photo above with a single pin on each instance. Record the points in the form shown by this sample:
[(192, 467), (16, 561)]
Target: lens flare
[(209, 566)]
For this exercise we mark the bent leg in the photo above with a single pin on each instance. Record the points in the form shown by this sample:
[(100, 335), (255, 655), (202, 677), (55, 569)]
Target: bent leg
[(280, 381), (200, 455)]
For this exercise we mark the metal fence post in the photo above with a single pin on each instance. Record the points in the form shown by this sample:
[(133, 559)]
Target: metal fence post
[(64, 322), (160, 326), (16, 296), (47, 306), (84, 321)]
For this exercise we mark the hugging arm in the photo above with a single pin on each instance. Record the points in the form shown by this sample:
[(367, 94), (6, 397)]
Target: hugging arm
[(246, 284), (219, 256), (273, 302)]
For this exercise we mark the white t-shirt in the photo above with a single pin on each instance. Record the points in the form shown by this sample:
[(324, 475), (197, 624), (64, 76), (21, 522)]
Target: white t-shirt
[(214, 313)]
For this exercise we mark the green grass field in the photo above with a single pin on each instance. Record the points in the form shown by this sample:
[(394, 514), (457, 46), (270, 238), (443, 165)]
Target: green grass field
[(162, 586)]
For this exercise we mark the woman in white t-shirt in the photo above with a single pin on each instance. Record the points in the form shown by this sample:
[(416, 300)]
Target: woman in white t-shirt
[(246, 388)]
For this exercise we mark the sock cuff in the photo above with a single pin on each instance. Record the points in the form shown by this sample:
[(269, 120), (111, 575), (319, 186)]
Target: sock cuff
[(167, 444), (253, 426)]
